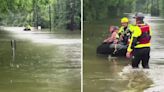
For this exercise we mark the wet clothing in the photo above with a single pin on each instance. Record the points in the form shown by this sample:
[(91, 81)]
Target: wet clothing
[(141, 54), (125, 32), (136, 35), (140, 45)]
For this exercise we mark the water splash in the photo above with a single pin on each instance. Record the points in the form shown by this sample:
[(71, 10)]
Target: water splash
[(137, 79), (149, 80), (156, 74)]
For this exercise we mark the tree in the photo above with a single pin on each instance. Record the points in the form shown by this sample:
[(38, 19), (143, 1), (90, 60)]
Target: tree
[(45, 13)]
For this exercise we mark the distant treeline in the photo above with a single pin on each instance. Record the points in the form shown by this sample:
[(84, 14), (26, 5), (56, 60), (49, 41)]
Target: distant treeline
[(102, 9), (46, 13)]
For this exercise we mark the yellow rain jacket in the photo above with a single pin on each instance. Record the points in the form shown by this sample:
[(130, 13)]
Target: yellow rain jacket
[(137, 33)]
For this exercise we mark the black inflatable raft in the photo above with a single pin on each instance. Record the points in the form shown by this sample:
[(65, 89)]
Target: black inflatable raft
[(109, 49), (27, 29)]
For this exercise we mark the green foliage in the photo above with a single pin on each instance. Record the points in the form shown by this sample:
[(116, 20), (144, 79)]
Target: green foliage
[(161, 7), (45, 13), (103, 9), (68, 14)]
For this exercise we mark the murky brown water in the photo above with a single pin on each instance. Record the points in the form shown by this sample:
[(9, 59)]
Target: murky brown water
[(40, 66)]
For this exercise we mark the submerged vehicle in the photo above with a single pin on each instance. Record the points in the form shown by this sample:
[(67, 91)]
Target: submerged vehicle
[(112, 49), (27, 28)]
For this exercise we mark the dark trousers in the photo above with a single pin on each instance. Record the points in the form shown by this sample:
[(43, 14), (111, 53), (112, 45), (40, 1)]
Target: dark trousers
[(141, 54)]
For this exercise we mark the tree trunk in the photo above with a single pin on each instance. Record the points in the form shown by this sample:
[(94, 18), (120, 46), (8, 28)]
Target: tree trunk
[(50, 17), (147, 7), (157, 1), (71, 14)]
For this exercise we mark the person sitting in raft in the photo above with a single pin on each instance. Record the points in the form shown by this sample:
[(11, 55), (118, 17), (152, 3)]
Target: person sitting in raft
[(125, 31), (113, 37)]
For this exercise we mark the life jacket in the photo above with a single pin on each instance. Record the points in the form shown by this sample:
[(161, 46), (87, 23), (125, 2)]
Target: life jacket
[(127, 35), (145, 35)]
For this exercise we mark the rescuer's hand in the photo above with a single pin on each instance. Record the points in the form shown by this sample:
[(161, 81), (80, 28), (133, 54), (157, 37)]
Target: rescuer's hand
[(128, 55)]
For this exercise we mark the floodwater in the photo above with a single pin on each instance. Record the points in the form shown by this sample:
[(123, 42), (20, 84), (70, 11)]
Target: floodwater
[(114, 74), (43, 62)]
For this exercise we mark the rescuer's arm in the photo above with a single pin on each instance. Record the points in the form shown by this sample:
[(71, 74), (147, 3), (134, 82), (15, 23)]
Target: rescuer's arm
[(133, 40)]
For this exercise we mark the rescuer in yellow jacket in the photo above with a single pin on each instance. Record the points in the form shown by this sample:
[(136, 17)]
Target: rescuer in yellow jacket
[(125, 31), (139, 44)]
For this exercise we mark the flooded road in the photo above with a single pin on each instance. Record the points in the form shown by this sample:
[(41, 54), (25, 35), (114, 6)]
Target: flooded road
[(111, 74), (44, 62)]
